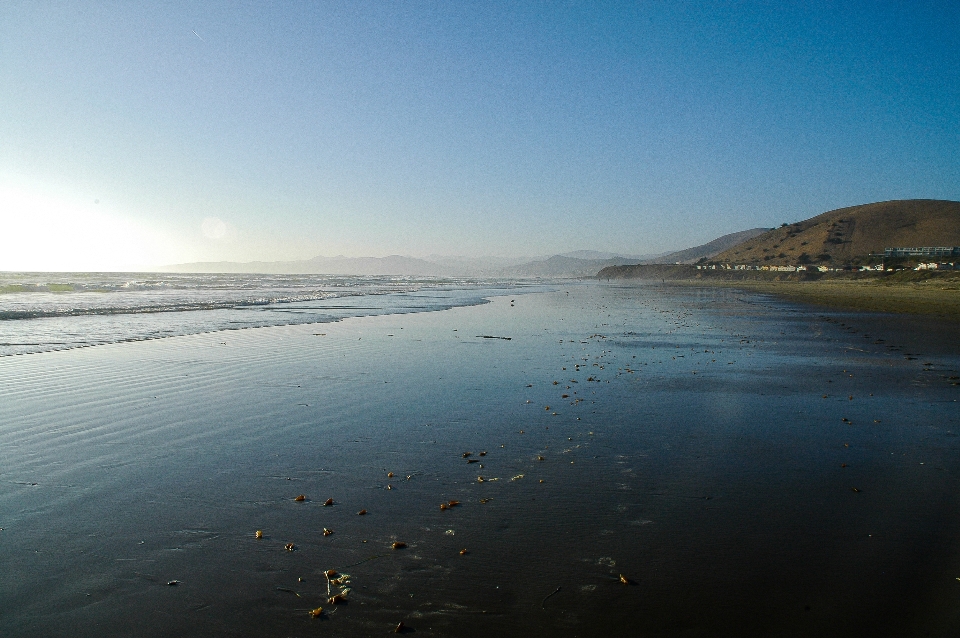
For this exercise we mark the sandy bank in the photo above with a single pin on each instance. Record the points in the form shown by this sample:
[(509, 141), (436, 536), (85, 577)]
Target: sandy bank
[(937, 298), (935, 294)]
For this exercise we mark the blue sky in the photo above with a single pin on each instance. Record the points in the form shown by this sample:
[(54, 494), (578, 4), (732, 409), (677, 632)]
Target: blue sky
[(149, 133)]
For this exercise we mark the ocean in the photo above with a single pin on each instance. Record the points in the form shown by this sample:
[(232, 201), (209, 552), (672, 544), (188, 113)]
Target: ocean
[(40, 312)]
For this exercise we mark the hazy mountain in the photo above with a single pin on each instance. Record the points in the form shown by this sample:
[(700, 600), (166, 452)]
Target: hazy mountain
[(600, 255), (692, 255), (391, 265), (436, 266), (561, 266), (456, 266), (579, 263)]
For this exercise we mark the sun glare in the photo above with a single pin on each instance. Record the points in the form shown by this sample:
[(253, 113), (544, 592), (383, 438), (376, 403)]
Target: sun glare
[(43, 233)]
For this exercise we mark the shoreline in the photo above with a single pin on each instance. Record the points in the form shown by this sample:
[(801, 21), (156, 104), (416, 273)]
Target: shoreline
[(932, 294), (862, 295)]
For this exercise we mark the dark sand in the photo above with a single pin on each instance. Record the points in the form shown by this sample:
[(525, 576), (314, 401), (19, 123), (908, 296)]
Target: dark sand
[(938, 297), (704, 463)]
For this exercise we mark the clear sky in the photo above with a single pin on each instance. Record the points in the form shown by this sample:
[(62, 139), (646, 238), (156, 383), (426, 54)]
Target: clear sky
[(161, 132)]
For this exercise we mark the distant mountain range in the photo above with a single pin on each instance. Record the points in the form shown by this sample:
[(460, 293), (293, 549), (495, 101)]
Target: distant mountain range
[(580, 263), (391, 265), (563, 266), (552, 267), (834, 237)]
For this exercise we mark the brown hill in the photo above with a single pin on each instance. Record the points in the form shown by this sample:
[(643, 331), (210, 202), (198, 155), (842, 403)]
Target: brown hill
[(850, 234), (708, 250)]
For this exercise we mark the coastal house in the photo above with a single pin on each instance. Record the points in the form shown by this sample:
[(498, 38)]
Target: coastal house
[(923, 251)]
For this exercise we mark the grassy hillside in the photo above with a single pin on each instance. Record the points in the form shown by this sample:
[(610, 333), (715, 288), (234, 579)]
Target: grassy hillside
[(848, 234)]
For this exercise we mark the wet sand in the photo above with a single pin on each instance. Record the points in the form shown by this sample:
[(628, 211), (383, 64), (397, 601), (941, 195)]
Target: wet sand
[(938, 297), (752, 467)]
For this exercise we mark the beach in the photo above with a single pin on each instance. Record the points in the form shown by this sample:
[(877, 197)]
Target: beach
[(614, 460), (931, 293), (935, 297)]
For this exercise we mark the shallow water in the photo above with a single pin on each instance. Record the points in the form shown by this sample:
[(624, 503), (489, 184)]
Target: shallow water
[(702, 462), (40, 312)]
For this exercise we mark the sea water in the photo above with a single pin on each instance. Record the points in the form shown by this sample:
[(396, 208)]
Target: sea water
[(41, 312)]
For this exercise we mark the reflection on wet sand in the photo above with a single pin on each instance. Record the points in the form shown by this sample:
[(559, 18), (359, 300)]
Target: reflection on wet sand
[(631, 461)]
